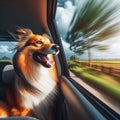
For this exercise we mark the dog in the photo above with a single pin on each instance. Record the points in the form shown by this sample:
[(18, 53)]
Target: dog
[(35, 84)]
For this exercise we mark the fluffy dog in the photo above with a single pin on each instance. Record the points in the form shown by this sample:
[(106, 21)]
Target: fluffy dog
[(35, 84)]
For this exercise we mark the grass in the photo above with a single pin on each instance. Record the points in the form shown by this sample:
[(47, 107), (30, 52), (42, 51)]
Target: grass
[(107, 83), (5, 60), (107, 63)]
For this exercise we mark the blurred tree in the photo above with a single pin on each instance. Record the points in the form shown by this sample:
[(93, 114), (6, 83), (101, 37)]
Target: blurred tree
[(73, 57), (92, 22), (5, 58)]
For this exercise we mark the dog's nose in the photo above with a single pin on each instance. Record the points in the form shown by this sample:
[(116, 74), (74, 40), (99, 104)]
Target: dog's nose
[(55, 48)]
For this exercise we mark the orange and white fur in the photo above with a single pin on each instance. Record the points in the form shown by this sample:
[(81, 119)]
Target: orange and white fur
[(36, 79)]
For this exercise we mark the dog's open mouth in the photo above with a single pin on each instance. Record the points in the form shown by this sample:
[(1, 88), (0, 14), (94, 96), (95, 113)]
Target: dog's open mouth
[(43, 59)]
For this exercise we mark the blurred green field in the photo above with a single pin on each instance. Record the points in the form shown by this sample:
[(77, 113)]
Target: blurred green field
[(106, 63), (5, 60), (102, 61), (97, 79)]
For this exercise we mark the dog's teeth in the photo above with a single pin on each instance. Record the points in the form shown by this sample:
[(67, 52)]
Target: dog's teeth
[(40, 57), (50, 62)]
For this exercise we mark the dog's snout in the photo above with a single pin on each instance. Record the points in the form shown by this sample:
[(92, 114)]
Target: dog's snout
[(55, 48)]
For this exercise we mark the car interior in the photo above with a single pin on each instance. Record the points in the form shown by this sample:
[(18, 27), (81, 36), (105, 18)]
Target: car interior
[(73, 101)]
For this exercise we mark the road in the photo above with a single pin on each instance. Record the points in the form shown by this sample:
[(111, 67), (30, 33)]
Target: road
[(112, 103)]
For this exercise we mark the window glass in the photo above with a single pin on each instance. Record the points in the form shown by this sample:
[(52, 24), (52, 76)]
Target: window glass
[(7, 50), (90, 33)]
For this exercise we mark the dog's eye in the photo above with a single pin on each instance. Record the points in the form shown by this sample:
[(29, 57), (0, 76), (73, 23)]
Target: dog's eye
[(39, 42)]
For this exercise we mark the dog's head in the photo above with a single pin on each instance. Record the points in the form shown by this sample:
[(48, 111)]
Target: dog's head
[(39, 47)]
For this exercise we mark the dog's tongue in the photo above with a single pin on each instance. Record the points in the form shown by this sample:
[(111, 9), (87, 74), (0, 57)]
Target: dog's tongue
[(45, 59)]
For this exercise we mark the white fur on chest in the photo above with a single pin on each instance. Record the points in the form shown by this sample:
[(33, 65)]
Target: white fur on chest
[(43, 82)]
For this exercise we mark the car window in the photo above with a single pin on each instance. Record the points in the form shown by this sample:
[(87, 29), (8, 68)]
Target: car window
[(90, 33), (7, 50)]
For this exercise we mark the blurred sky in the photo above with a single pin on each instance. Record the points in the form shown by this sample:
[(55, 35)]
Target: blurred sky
[(64, 15), (7, 49)]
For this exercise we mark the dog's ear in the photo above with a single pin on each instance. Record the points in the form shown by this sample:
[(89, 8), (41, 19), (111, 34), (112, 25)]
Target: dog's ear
[(21, 34)]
